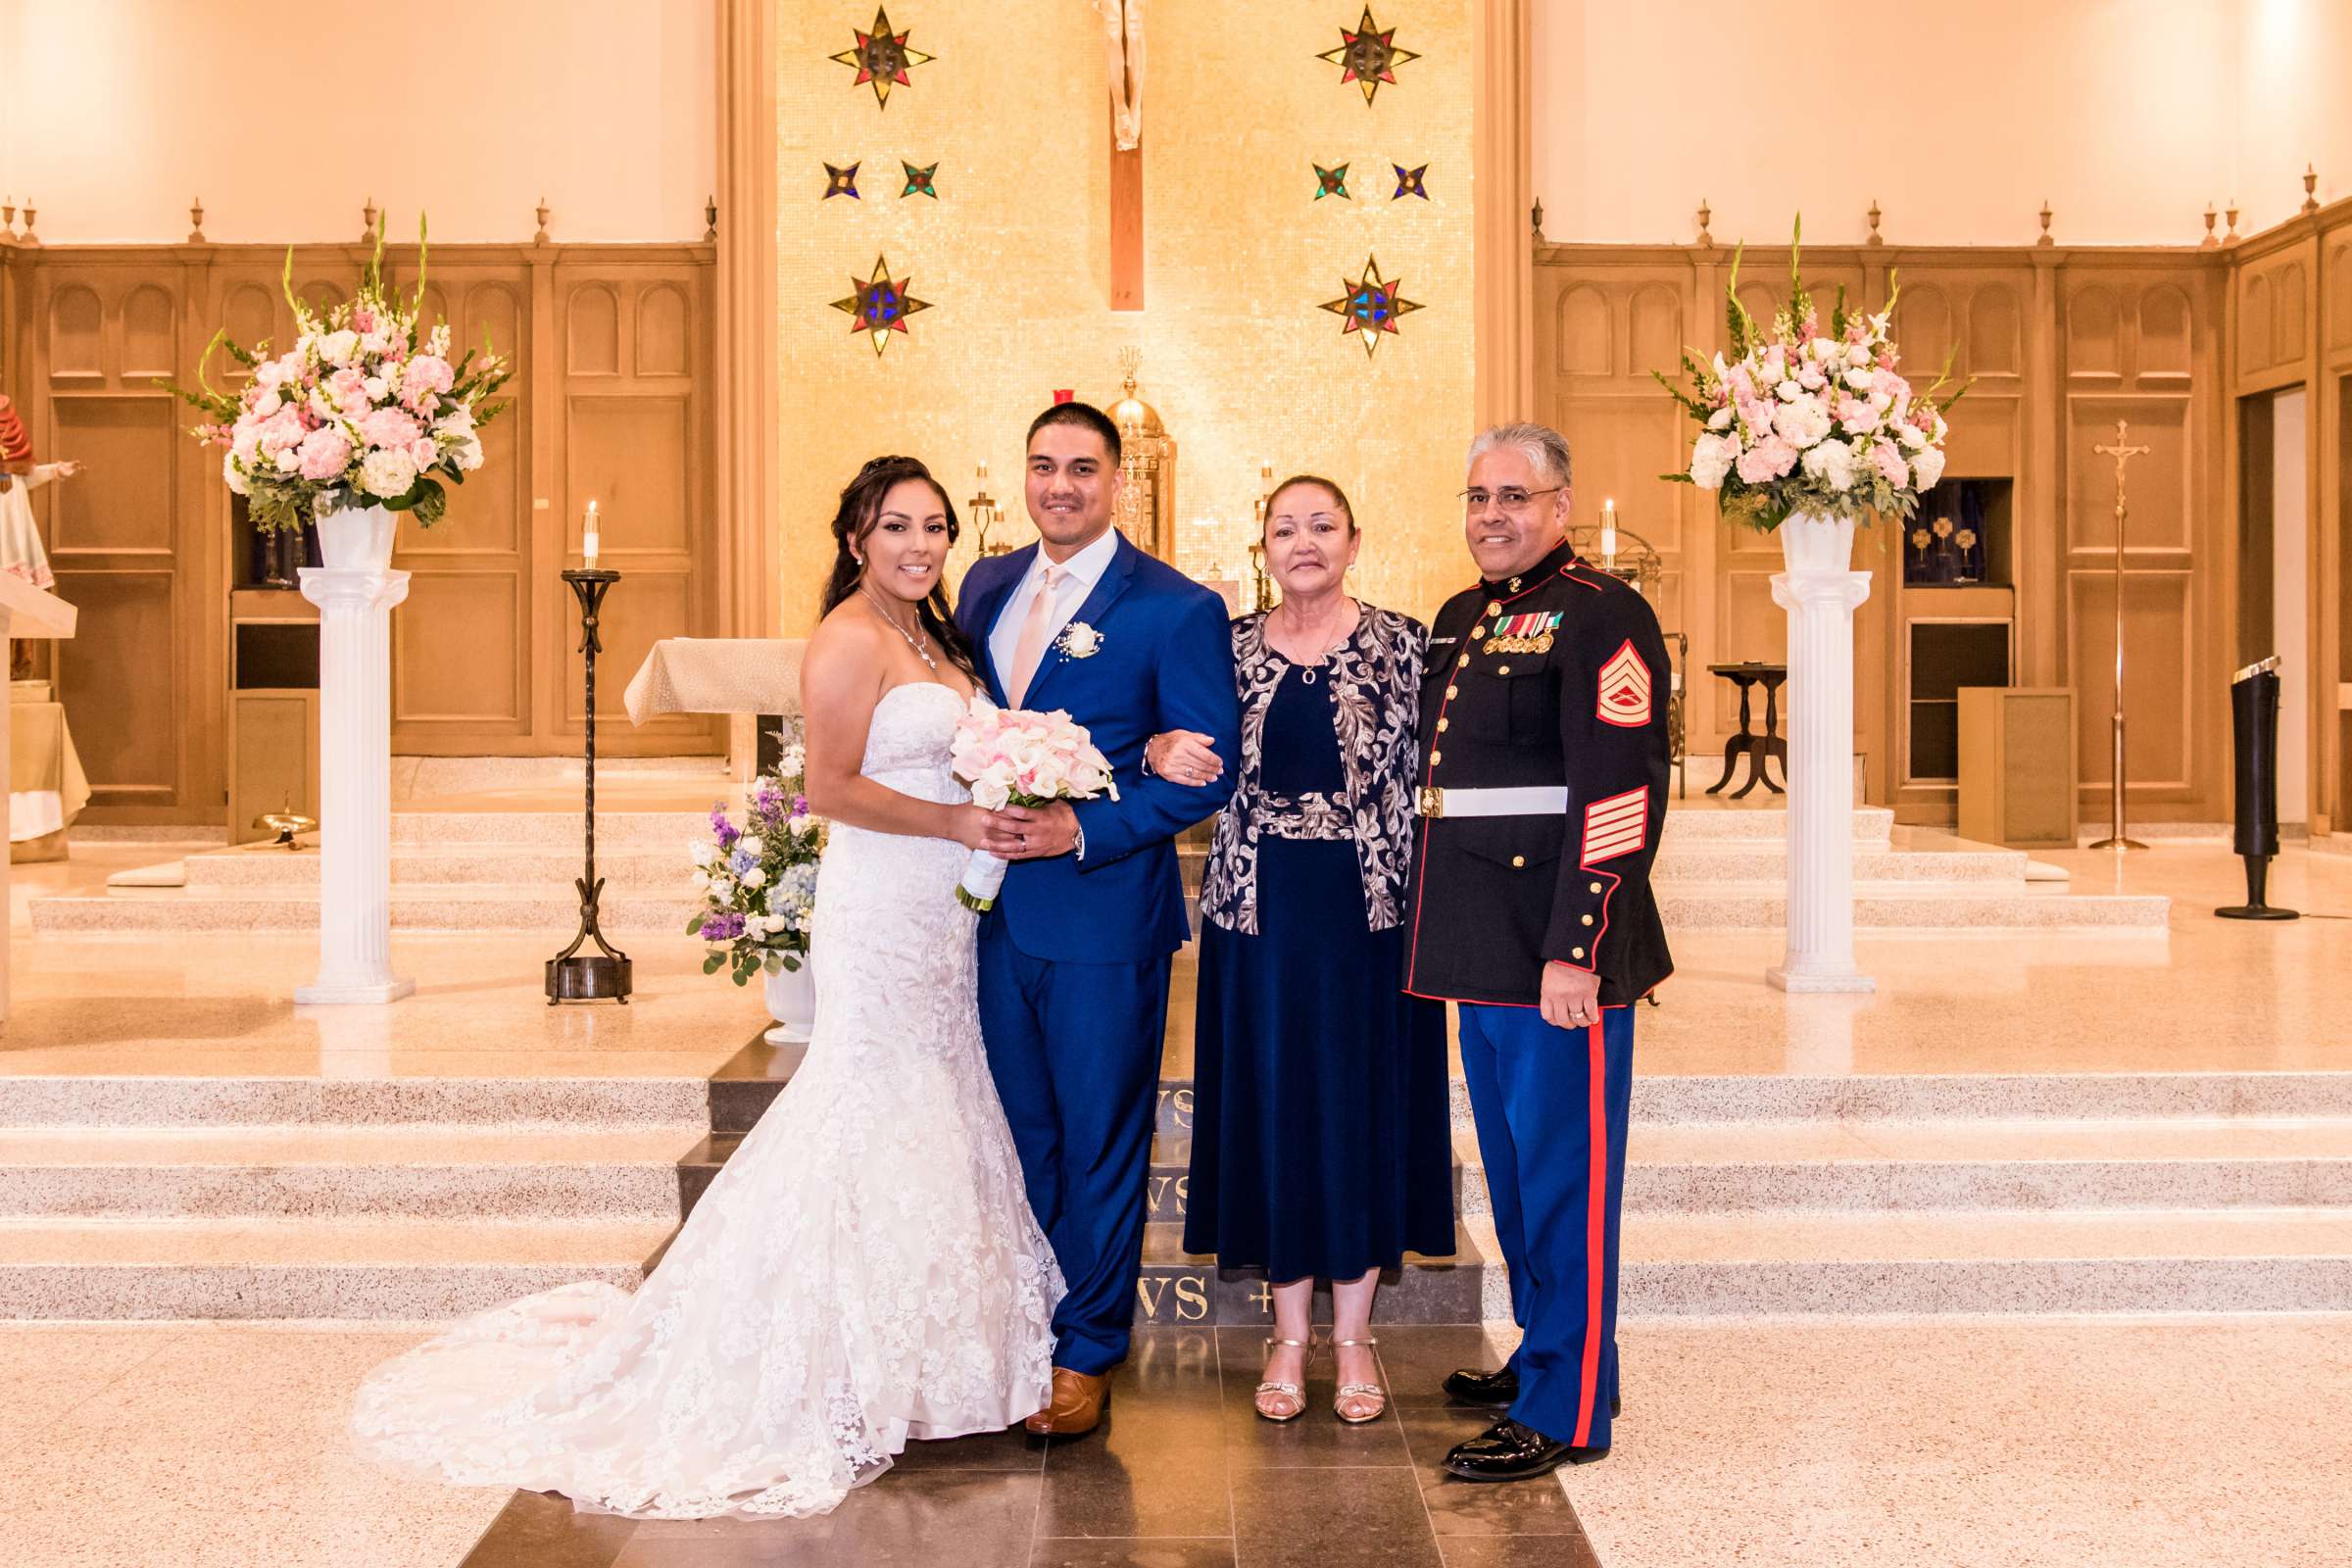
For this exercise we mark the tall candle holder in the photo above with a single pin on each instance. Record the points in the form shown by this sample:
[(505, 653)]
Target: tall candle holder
[(573, 975)]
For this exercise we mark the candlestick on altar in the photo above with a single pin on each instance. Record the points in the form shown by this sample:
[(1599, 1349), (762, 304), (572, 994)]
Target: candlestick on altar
[(606, 975), (589, 540), (1609, 534), (2123, 451)]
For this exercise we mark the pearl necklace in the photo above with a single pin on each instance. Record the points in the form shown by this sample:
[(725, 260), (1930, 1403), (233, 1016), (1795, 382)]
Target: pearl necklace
[(921, 651)]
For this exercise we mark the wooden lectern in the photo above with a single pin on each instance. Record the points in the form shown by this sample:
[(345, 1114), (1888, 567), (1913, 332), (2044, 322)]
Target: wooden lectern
[(25, 612)]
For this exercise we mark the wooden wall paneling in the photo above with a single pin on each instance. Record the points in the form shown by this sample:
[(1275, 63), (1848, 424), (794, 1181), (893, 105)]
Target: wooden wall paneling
[(2331, 519)]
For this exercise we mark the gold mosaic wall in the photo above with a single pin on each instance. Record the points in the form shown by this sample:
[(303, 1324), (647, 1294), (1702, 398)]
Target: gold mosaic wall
[(1014, 259)]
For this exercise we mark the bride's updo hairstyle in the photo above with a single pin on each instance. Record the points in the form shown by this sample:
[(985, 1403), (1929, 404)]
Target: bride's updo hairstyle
[(859, 511)]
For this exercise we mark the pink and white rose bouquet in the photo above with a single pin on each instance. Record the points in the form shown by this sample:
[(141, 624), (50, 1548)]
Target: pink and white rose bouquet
[(1012, 756), (1810, 418), (365, 410)]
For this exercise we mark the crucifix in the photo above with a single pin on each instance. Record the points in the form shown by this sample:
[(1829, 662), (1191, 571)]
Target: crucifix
[(1123, 38), (2123, 451)]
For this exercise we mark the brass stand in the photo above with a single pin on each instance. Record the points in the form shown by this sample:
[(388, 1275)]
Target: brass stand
[(573, 975), (2123, 453)]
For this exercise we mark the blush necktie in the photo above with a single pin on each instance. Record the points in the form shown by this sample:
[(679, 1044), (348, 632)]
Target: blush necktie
[(1030, 651)]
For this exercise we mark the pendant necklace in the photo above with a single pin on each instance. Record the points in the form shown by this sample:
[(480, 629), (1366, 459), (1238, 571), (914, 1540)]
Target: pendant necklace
[(920, 652), (1310, 671)]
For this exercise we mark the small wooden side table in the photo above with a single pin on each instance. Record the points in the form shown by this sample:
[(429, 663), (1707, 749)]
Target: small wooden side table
[(1759, 748)]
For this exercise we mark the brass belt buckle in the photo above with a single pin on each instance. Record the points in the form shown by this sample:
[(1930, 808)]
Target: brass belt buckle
[(1432, 802)]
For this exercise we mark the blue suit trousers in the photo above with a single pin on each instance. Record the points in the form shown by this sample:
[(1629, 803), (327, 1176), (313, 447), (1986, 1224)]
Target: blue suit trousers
[(1551, 1106), (1075, 1050)]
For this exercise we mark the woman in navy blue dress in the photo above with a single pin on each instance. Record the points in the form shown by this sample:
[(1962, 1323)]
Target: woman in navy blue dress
[(1321, 1141)]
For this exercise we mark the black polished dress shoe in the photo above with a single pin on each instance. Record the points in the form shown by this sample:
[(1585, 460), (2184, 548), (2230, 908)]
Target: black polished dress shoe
[(1498, 1389), (1473, 1387), (1509, 1451)]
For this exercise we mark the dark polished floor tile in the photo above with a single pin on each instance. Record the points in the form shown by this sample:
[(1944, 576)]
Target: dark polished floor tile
[(1316, 1439), (1518, 1551), (1416, 1358), (1536, 1507), (1159, 1553), (1330, 1519), (1009, 1450), (1157, 1465), (537, 1530), (972, 1517)]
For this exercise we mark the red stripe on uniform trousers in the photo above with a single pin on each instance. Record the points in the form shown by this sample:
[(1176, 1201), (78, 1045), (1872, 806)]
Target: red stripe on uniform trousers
[(1597, 1233)]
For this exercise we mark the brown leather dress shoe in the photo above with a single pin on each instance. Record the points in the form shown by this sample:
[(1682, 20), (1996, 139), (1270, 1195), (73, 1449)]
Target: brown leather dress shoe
[(1076, 1407)]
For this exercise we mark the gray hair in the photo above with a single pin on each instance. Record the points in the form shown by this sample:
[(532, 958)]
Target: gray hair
[(1540, 444)]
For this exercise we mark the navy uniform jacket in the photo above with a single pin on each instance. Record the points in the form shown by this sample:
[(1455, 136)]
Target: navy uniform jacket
[(1557, 676)]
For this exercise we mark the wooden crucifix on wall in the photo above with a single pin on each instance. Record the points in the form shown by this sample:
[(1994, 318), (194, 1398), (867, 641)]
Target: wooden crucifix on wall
[(1123, 38)]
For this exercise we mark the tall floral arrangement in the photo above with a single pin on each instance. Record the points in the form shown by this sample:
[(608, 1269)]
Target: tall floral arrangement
[(758, 881), (1808, 418), (367, 408)]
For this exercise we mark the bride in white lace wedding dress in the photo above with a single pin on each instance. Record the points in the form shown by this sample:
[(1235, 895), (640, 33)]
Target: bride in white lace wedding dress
[(863, 1272)]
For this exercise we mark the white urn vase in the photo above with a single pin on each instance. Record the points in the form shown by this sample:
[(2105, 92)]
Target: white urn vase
[(355, 538), (792, 1003), (1820, 590)]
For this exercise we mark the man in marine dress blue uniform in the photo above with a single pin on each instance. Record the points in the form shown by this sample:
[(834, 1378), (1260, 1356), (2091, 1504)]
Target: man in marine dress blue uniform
[(1543, 787), (1074, 957)]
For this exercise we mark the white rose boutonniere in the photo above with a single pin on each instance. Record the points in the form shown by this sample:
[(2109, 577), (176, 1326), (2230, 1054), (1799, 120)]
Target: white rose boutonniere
[(1079, 640)]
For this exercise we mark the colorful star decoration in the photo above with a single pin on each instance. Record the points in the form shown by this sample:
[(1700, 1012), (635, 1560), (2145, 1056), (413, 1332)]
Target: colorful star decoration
[(1332, 183), (1408, 183), (880, 305), (882, 58), (919, 181), (840, 182), (1371, 306), (1369, 56)]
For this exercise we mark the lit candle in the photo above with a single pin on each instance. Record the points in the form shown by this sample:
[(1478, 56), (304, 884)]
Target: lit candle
[(588, 540), (984, 470), (1609, 534)]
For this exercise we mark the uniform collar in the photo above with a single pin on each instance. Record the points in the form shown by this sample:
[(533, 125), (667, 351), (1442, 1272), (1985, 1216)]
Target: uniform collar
[(1562, 557)]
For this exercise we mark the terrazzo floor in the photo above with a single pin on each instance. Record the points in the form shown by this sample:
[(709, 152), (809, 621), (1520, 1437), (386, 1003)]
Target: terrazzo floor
[(2034, 1444)]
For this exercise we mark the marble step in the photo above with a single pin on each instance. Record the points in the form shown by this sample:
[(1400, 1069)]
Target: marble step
[(561, 832), (415, 906), (1691, 824), (541, 867), (1944, 907), (1731, 861), (305, 1268), (228, 1100), (326, 1172), (2181, 1260)]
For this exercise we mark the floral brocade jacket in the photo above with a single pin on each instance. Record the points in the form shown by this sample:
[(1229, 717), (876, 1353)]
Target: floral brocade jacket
[(1375, 680)]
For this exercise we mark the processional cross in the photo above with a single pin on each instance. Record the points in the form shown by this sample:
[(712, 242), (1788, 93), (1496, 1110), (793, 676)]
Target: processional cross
[(1123, 38), (2123, 451)]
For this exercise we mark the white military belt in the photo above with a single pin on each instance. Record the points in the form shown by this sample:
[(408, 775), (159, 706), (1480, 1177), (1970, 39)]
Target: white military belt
[(1531, 800)]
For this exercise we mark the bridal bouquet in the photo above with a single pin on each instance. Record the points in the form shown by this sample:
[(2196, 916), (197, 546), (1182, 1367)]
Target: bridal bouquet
[(1807, 419), (1010, 757), (364, 411), (758, 881)]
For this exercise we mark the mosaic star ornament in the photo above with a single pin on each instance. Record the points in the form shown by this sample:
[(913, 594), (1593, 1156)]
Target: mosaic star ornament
[(1371, 306), (1332, 183), (841, 182), (1408, 183), (880, 305), (882, 58), (919, 181), (1369, 56)]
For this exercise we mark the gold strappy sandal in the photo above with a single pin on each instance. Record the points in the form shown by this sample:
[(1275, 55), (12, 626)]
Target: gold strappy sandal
[(1293, 1391), (1357, 1391)]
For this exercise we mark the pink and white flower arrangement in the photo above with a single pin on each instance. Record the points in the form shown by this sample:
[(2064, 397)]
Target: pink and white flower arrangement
[(365, 410), (1012, 756), (1807, 419)]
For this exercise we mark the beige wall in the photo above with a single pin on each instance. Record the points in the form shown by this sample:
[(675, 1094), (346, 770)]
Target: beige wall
[(1014, 259), (2127, 115), (115, 113)]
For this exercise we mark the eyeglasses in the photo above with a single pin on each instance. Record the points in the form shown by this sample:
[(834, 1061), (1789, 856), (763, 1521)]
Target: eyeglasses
[(1510, 498)]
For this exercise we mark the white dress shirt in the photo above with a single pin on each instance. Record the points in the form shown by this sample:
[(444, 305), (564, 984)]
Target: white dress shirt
[(1079, 574)]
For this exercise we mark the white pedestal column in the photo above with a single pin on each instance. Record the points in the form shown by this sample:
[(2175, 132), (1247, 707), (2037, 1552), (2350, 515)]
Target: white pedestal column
[(1819, 591), (355, 783)]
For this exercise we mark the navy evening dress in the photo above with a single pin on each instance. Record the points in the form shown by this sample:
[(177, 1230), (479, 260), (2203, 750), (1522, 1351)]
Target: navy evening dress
[(1321, 1142)]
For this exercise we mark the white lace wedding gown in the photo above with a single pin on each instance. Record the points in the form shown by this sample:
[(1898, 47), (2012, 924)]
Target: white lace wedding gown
[(864, 1270)]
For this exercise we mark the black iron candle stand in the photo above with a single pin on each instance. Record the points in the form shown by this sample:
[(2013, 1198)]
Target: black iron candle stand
[(573, 975)]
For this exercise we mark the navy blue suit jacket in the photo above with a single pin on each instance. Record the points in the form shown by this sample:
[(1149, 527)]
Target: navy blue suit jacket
[(1165, 662)]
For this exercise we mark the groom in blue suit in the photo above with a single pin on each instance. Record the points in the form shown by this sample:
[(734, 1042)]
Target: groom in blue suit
[(1074, 959)]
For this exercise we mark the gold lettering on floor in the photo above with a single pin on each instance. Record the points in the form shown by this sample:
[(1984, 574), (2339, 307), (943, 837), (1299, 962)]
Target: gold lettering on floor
[(1190, 1298)]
